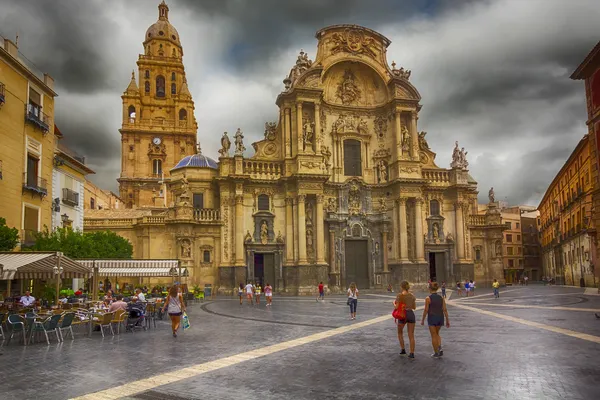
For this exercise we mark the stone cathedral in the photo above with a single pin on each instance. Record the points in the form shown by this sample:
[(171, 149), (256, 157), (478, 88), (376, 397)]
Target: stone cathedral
[(343, 187)]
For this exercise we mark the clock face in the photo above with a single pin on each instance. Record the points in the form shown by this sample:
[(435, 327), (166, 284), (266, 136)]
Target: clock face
[(156, 141)]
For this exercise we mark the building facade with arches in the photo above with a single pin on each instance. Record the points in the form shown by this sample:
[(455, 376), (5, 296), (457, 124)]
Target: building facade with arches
[(343, 187)]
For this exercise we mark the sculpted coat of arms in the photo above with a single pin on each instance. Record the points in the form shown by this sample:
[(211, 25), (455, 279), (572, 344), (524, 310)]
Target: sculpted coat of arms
[(353, 41)]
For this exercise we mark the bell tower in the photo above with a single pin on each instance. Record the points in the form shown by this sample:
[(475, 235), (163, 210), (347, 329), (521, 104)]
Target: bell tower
[(159, 127)]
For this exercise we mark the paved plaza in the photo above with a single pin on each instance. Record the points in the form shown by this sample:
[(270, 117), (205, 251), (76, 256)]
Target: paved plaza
[(534, 342)]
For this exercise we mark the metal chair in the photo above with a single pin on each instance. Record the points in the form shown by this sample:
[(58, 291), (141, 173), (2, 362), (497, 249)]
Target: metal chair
[(2, 315), (150, 316), (49, 324), (119, 318), (66, 323), (16, 323), (105, 320)]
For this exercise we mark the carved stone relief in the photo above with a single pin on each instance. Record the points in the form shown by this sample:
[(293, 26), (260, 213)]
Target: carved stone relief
[(353, 41), (347, 90)]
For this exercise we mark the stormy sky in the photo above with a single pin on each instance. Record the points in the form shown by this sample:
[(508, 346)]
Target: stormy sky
[(493, 75)]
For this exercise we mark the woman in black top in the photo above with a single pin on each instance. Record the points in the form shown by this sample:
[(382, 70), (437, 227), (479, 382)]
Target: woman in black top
[(435, 310)]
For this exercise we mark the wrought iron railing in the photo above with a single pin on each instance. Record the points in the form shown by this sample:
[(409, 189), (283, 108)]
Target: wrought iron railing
[(35, 184), (70, 197), (35, 116)]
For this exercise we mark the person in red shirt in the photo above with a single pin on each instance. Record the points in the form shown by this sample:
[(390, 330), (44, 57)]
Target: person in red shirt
[(79, 292), (321, 292)]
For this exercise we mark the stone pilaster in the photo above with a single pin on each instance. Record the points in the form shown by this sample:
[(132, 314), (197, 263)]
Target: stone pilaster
[(398, 134), (299, 126), (460, 231), (289, 231), (403, 229), (239, 229), (420, 249), (332, 255), (288, 134), (301, 230), (414, 148), (385, 251), (320, 231)]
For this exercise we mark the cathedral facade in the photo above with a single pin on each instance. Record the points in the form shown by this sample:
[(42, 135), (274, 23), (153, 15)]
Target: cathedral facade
[(343, 187)]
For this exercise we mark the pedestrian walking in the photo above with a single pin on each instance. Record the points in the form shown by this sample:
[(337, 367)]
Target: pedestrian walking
[(526, 279), (459, 289), (249, 291), (467, 288), (353, 299), (321, 292), (175, 307), (444, 289), (268, 294), (472, 287), (405, 305), (241, 292), (435, 311), (257, 291), (496, 286)]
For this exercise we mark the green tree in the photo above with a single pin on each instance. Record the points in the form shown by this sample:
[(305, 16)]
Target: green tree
[(75, 244), (9, 237)]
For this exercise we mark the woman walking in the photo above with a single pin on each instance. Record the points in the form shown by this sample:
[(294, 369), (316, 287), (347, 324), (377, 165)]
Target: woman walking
[(241, 292), (435, 311), (257, 290), (496, 286), (352, 299), (175, 307), (408, 301), (268, 294)]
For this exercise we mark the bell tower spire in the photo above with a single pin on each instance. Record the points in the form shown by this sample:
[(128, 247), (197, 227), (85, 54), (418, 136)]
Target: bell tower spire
[(163, 11)]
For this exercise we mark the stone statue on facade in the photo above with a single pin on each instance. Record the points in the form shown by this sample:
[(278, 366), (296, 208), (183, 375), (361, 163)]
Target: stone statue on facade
[(264, 233), (498, 249), (248, 237), (239, 142), (383, 177), (270, 130), (405, 138), (463, 158), (436, 231), (459, 157), (186, 249), (492, 195), (362, 127), (302, 64), (225, 145), (279, 238), (422, 141), (308, 133), (348, 91)]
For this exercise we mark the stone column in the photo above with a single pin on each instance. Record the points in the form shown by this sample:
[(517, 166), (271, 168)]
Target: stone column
[(384, 250), (317, 130), (460, 232), (414, 136), (420, 250), (299, 126), (288, 129), (398, 129), (289, 231), (320, 231), (332, 255), (301, 230), (283, 130), (403, 229), (239, 229)]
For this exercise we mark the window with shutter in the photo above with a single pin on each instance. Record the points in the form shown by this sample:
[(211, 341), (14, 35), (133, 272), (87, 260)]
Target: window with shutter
[(352, 159), (263, 202)]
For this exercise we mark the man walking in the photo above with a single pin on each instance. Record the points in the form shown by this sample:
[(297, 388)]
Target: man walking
[(496, 286), (321, 292)]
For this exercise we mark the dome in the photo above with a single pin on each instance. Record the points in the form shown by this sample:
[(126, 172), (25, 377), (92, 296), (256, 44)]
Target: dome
[(197, 161), (162, 29)]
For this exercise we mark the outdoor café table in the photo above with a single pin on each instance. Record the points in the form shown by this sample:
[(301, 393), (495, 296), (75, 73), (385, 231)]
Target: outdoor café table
[(92, 313)]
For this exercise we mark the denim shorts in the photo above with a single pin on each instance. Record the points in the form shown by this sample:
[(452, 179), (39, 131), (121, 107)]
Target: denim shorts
[(435, 320)]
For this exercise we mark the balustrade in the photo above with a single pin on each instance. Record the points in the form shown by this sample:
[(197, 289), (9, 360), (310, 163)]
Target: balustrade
[(263, 169)]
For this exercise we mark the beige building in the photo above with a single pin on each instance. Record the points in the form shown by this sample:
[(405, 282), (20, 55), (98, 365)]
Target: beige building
[(99, 199), (27, 143), (343, 187)]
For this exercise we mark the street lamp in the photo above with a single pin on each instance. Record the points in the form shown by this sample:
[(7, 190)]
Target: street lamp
[(58, 270), (65, 219)]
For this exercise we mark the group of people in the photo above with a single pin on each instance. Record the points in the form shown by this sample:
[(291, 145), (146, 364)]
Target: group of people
[(253, 292), (468, 288), (435, 311)]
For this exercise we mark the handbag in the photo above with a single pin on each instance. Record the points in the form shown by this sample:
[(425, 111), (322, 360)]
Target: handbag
[(186, 321), (348, 302), (400, 312)]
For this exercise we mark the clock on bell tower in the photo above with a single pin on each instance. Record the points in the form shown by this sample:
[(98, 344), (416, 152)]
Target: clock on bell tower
[(159, 127)]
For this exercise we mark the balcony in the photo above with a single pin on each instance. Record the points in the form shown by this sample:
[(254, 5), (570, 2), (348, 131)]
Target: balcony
[(207, 214), (35, 185), (28, 237), (264, 170), (2, 98), (70, 197), (35, 116)]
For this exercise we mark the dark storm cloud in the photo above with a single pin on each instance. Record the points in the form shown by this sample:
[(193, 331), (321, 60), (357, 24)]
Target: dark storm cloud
[(65, 38)]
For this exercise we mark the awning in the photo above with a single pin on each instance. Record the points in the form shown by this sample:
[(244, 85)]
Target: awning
[(35, 265), (139, 268)]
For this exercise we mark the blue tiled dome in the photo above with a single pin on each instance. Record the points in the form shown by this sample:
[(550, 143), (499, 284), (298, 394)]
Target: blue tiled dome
[(197, 160)]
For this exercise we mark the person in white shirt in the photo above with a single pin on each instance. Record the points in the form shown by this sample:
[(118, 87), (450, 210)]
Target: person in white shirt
[(249, 291), (140, 295), (353, 299), (28, 299)]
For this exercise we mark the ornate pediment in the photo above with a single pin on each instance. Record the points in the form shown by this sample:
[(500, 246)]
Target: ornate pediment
[(269, 147), (354, 41), (311, 80), (350, 123), (157, 151)]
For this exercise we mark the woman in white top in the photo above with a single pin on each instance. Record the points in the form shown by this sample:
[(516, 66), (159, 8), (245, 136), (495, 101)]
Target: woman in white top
[(352, 299), (176, 308), (249, 292)]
